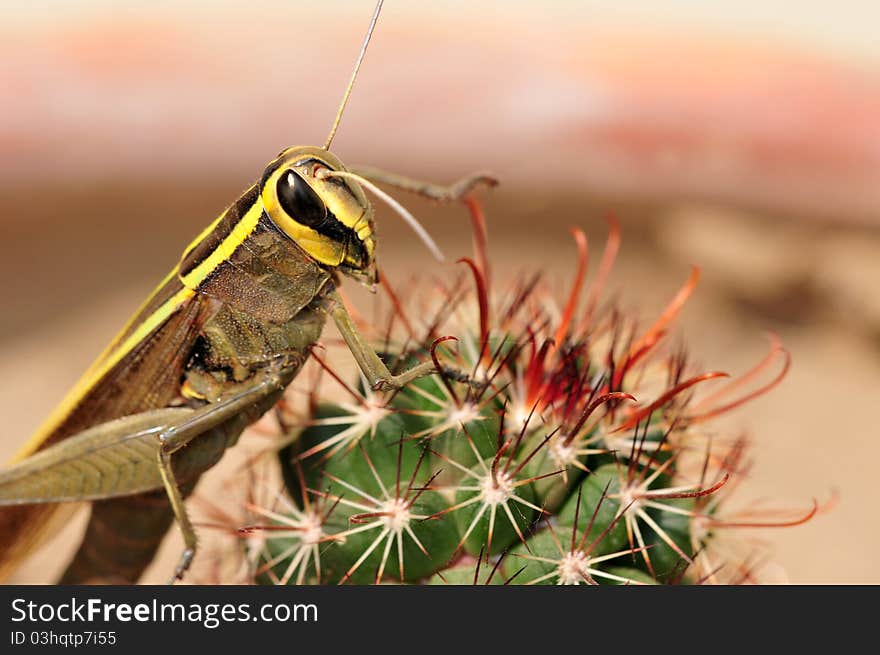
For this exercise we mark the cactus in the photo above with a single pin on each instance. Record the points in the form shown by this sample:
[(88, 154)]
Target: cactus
[(555, 445)]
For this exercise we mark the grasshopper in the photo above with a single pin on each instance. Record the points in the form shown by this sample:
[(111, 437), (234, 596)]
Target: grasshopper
[(209, 352)]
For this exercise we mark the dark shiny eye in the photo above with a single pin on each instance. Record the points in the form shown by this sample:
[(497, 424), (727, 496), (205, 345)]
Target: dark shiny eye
[(299, 200)]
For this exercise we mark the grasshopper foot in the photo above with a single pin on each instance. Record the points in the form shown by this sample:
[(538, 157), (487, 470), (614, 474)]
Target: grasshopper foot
[(394, 382), (186, 558)]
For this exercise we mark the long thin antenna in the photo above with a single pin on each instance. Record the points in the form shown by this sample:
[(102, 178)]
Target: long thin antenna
[(354, 73)]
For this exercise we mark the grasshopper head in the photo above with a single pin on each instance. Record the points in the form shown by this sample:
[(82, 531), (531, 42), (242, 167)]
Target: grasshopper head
[(329, 217)]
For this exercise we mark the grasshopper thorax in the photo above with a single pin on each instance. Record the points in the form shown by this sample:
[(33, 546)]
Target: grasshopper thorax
[(329, 217)]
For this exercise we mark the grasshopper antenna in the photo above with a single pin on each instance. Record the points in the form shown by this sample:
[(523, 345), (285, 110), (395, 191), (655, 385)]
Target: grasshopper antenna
[(391, 202), (357, 65)]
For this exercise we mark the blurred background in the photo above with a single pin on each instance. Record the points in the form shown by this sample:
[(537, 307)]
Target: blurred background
[(741, 136)]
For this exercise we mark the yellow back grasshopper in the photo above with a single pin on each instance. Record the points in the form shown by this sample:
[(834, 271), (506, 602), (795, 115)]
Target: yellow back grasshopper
[(209, 352)]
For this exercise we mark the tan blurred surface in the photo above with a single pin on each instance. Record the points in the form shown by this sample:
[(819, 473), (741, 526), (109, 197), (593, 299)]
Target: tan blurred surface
[(120, 149)]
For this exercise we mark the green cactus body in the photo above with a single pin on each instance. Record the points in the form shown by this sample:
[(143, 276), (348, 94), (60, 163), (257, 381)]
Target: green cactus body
[(554, 447)]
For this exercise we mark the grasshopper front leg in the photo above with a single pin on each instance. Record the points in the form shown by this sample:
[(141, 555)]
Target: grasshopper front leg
[(438, 192), (378, 375)]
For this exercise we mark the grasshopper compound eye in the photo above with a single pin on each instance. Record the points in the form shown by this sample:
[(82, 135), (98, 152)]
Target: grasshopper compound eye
[(299, 200)]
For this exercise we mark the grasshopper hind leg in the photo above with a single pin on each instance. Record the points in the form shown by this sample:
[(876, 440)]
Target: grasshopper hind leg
[(178, 436), (190, 539), (181, 447)]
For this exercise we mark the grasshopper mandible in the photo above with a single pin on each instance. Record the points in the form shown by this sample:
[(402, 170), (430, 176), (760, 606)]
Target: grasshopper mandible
[(209, 352)]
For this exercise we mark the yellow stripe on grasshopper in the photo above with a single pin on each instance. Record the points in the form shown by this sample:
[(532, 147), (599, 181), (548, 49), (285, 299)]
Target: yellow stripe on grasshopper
[(116, 351), (242, 230), (204, 233), (95, 373), (129, 324)]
